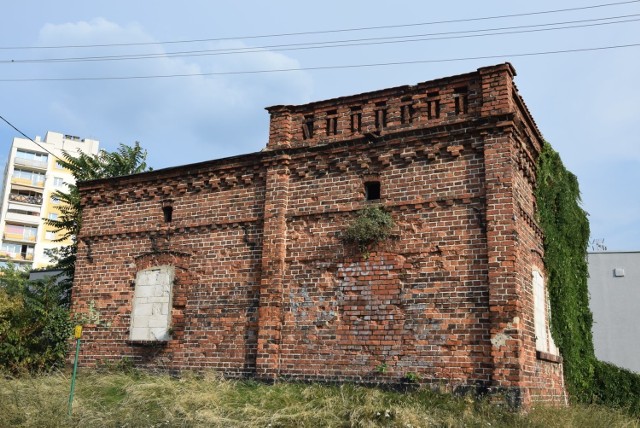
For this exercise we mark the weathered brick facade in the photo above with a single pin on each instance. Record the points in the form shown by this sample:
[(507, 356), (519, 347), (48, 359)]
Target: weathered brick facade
[(263, 284)]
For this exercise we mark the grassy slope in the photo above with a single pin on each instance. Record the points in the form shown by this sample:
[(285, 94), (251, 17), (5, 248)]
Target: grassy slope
[(142, 400)]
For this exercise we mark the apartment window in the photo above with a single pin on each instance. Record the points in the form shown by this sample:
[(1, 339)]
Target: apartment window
[(11, 249), (50, 236), (58, 182), (151, 306), (53, 216), (32, 156), (55, 199), (23, 211), (59, 165), (17, 251), (33, 177), (19, 232)]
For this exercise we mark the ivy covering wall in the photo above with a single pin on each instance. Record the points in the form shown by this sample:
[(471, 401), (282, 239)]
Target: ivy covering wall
[(566, 236)]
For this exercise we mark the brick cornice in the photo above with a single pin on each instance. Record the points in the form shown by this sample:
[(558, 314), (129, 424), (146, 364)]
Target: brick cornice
[(244, 170)]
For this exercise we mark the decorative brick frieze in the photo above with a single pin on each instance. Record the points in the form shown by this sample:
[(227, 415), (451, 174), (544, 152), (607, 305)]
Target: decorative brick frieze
[(265, 285)]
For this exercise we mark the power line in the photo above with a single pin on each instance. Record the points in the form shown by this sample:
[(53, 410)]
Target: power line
[(328, 67), (519, 29), (342, 30), (28, 138)]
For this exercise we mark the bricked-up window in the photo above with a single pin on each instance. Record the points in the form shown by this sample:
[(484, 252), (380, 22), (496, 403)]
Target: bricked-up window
[(307, 127), (460, 96), (356, 119), (381, 115), (406, 111), (332, 122), (433, 105), (151, 307), (372, 190), (544, 341)]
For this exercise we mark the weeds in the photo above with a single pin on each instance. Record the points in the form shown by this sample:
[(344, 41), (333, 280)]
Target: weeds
[(125, 399)]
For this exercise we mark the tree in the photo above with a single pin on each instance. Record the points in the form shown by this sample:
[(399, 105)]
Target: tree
[(125, 160)]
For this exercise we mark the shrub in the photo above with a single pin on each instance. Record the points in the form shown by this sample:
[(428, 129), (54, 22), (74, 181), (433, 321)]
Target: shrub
[(372, 226), (34, 326), (617, 387)]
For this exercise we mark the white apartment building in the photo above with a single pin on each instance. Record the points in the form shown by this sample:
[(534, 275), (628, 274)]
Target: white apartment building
[(31, 177)]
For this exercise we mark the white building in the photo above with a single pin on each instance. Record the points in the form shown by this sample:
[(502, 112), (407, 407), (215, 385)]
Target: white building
[(614, 286), (31, 177)]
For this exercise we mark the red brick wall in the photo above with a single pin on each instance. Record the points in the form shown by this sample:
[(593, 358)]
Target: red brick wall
[(266, 287), (214, 242)]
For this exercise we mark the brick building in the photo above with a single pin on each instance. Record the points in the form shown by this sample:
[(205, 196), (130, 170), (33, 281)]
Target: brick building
[(238, 264)]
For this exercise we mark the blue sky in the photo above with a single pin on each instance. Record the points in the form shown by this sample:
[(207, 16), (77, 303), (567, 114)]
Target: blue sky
[(586, 104)]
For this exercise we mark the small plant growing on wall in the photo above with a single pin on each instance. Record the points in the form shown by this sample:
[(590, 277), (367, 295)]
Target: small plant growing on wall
[(411, 377), (372, 225), (382, 368)]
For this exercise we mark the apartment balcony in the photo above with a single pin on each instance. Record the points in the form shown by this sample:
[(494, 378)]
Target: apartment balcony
[(26, 199), (16, 257), (27, 182), (33, 164), (23, 218), (19, 237)]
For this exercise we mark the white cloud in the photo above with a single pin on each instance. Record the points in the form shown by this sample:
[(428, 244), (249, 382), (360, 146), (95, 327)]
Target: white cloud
[(179, 120)]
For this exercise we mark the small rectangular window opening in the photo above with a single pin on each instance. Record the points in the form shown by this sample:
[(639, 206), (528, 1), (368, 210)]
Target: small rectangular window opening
[(356, 119), (461, 102), (381, 116), (167, 211), (406, 111), (307, 127), (433, 105), (372, 190), (332, 122)]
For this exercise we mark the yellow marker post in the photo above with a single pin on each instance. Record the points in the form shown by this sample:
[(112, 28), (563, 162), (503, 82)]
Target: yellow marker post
[(77, 333)]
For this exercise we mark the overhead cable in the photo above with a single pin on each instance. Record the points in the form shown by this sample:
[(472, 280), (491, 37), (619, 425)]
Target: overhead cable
[(341, 30), (347, 43), (27, 137), (314, 68)]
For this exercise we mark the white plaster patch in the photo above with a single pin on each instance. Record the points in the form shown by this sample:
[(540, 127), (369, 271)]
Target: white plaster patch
[(501, 338), (151, 314)]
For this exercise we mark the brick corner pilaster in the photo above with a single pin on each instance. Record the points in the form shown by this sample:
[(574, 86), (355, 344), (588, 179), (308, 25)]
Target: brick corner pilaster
[(273, 267)]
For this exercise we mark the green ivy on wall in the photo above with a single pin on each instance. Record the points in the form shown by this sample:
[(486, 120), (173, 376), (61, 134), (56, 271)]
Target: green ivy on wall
[(566, 237)]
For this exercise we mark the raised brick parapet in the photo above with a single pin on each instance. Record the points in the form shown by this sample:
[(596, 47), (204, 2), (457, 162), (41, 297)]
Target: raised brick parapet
[(264, 285)]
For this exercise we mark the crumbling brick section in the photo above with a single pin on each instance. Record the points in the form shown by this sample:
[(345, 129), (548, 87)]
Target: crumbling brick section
[(264, 285)]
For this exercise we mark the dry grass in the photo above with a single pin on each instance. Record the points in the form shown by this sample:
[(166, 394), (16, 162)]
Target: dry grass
[(143, 400)]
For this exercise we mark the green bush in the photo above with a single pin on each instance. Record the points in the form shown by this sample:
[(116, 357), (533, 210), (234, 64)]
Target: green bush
[(34, 325), (617, 387), (372, 225)]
